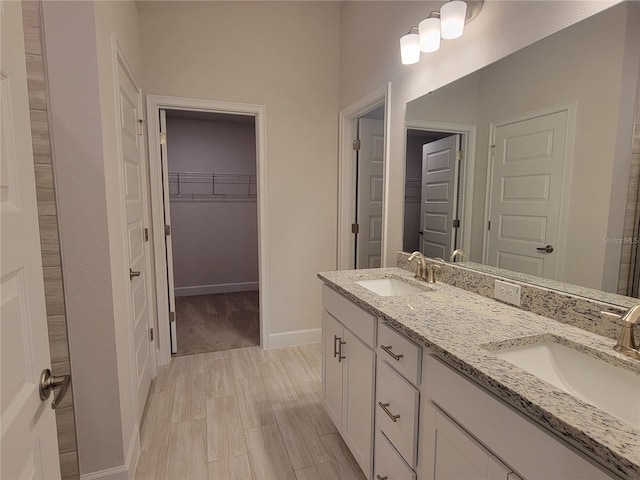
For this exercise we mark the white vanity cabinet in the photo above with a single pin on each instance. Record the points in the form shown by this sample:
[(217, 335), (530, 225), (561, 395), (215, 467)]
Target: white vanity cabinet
[(468, 433), (348, 373)]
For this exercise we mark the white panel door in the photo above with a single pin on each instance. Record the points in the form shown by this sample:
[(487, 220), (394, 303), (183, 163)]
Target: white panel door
[(129, 112), (167, 221), (332, 368), (438, 202), (370, 192), (526, 192), (359, 371), (459, 457), (29, 445)]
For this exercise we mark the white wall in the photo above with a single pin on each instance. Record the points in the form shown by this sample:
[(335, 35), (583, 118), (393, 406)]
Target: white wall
[(370, 33), (81, 83), (215, 244), (284, 56), (583, 63)]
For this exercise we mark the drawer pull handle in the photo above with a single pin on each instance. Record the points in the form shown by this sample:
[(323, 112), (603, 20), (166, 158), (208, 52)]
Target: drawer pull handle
[(388, 350), (381, 478), (386, 410)]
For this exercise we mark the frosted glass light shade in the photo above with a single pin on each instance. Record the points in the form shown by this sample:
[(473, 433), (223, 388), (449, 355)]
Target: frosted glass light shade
[(410, 49), (429, 34), (452, 16)]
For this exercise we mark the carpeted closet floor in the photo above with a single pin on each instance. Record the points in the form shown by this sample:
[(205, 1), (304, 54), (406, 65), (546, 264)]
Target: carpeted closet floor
[(210, 323)]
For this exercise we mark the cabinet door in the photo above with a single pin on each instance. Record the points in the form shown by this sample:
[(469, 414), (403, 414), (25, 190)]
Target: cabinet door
[(358, 384), (460, 457), (332, 368)]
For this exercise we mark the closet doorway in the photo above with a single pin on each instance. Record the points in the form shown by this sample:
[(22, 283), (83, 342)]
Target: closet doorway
[(211, 161), (207, 224)]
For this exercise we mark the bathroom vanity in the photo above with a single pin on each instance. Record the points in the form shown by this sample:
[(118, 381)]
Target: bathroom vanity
[(416, 379)]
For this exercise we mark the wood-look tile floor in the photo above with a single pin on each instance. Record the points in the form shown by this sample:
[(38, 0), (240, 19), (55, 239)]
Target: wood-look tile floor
[(243, 414)]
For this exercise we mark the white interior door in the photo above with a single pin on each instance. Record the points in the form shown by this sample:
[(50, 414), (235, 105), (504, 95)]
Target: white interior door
[(438, 199), (526, 192), (129, 108), (370, 191), (29, 445), (167, 223)]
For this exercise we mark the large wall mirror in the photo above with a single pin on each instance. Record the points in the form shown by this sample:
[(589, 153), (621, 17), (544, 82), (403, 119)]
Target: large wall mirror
[(526, 164)]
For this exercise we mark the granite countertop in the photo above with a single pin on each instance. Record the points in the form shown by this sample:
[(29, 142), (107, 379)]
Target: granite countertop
[(459, 327)]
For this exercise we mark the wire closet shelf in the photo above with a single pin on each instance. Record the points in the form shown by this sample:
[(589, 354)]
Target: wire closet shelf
[(210, 186)]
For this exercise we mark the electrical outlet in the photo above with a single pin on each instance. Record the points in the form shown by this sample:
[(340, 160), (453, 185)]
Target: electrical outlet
[(507, 292)]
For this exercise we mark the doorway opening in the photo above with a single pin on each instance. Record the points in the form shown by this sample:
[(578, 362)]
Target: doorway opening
[(211, 166), (209, 217)]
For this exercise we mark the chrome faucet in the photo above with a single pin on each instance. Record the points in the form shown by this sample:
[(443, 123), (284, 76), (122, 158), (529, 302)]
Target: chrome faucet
[(626, 343), (456, 252)]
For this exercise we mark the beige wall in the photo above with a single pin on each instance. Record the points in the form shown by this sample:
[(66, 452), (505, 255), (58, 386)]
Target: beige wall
[(583, 63), (370, 57), (284, 56), (80, 65)]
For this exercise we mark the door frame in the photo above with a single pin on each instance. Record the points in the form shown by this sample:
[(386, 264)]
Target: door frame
[(348, 128), (468, 142), (571, 108), (155, 103)]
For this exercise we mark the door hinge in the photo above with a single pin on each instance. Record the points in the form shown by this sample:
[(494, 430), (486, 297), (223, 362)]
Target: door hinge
[(356, 144), (489, 225), (163, 138), (141, 123), (172, 317), (355, 228), (456, 223), (151, 334), (493, 150), (459, 155), (167, 230), (146, 234)]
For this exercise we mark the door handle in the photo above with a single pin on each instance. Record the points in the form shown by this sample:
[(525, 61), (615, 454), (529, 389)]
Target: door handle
[(48, 382), (340, 356), (421, 232), (335, 346), (547, 249), (133, 274)]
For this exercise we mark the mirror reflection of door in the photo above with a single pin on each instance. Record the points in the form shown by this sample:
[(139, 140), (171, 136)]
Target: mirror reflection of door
[(370, 187), (432, 191), (439, 221), (526, 190)]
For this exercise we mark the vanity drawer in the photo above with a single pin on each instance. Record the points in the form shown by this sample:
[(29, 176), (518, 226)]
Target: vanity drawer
[(356, 319), (397, 411), (399, 351), (388, 464)]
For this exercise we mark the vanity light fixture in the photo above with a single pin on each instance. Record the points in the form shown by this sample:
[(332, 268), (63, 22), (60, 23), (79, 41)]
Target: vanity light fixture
[(410, 47), (447, 24), (430, 33)]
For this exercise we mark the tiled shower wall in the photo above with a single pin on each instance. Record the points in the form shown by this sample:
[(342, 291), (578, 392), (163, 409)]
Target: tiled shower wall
[(632, 214), (49, 238)]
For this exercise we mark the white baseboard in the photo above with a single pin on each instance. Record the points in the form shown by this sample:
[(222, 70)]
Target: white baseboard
[(114, 473), (295, 337), (121, 472), (217, 288)]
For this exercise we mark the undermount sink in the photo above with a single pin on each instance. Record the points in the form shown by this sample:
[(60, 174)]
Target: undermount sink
[(389, 287), (612, 389)]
